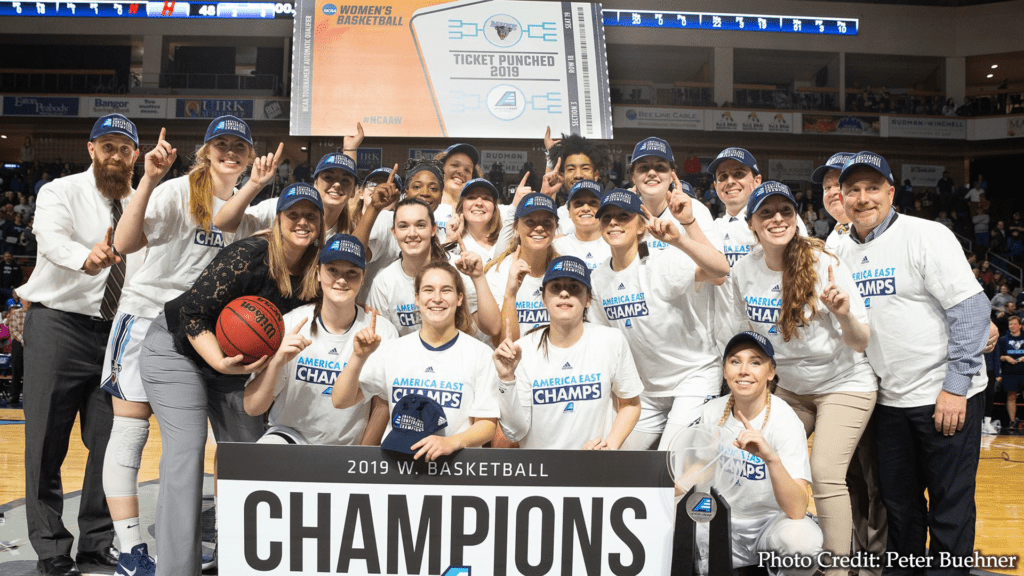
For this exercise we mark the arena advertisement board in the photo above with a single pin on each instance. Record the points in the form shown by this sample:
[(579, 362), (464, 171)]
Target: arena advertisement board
[(790, 170), (490, 67), (910, 127), (134, 108), (662, 118), (995, 128), (750, 121), (40, 106), (841, 125), (211, 108), (927, 175), (511, 160), (361, 510)]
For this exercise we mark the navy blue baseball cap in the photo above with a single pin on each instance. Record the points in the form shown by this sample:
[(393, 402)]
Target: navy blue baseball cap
[(757, 339), (480, 183), (652, 147), (586, 187), (686, 187), (466, 149), (534, 202), (414, 418), (765, 191), (869, 159), (385, 172), (115, 124), (296, 193), (624, 199), (228, 126), (344, 247), (568, 267), (740, 155), (835, 162), (339, 161)]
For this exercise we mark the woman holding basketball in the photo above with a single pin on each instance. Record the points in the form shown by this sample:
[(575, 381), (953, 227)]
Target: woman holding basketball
[(650, 299), (797, 295), (766, 463), (533, 373), (441, 361), (182, 363), (393, 292), (173, 223), (296, 384)]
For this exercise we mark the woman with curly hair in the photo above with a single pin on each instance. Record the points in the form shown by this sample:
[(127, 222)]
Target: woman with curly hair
[(796, 294)]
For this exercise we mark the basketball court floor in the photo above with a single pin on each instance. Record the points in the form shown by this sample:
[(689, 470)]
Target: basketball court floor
[(1000, 495)]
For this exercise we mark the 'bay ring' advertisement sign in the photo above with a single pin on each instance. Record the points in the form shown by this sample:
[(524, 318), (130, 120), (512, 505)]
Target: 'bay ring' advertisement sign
[(361, 510)]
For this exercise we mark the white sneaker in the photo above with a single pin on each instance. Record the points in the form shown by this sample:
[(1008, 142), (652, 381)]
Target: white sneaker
[(988, 428)]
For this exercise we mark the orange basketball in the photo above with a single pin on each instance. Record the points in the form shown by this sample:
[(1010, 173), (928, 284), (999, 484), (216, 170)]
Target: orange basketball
[(250, 326)]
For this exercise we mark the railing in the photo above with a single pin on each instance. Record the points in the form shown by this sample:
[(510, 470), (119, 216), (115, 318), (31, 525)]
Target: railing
[(776, 97), (181, 81), (1006, 266), (36, 81)]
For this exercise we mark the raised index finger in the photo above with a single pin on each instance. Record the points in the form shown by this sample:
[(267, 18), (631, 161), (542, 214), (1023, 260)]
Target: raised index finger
[(525, 177), (106, 237), (280, 150), (299, 326), (647, 213), (746, 423), (373, 321), (163, 135), (831, 277), (508, 327), (391, 177), (462, 245)]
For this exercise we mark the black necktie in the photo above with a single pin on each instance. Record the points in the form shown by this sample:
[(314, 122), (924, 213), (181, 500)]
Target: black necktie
[(115, 280)]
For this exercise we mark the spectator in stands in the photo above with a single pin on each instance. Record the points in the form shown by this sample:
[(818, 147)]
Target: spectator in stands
[(999, 300), (981, 221), (904, 200), (28, 153), (949, 109), (944, 220), (10, 275), (980, 182), (986, 273), (1011, 351), (14, 319), (975, 194), (43, 181), (993, 368), (822, 225), (25, 206), (1000, 317), (28, 240)]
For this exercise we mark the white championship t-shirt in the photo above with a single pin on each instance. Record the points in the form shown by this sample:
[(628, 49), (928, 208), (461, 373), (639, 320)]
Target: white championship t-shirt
[(753, 497), (302, 392), (529, 299), (562, 400), (460, 376), (393, 295), (909, 276), (815, 360), (178, 250), (653, 302), (592, 253)]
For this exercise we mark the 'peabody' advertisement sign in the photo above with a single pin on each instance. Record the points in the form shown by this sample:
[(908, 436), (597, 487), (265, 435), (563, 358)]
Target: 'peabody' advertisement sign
[(360, 510), (40, 106)]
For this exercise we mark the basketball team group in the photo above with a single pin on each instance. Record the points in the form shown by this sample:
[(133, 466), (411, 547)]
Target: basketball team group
[(423, 315)]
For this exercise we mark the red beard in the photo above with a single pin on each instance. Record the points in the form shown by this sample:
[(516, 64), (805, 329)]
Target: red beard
[(113, 178)]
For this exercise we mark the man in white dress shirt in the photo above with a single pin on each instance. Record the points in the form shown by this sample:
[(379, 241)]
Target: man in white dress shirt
[(74, 288)]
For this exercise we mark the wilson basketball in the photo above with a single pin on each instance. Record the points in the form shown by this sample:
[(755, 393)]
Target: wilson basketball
[(250, 326)]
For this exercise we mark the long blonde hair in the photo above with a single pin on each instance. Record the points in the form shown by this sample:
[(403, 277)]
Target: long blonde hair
[(200, 186), (309, 285), (767, 407)]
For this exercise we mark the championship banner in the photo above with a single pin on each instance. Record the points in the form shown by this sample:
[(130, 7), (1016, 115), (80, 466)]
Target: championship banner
[(463, 69), (839, 125), (361, 510)]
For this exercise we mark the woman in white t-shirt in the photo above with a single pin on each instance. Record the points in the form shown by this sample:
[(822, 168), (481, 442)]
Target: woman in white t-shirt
[(393, 294), (585, 242), (649, 298), (766, 464), (441, 361), (559, 383), (481, 218), (173, 223), (296, 383), (515, 275), (797, 295)]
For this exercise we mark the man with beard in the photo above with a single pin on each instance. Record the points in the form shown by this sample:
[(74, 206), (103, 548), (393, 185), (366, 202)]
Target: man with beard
[(74, 288)]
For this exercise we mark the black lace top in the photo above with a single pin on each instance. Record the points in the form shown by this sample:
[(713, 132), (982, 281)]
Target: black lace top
[(241, 269)]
